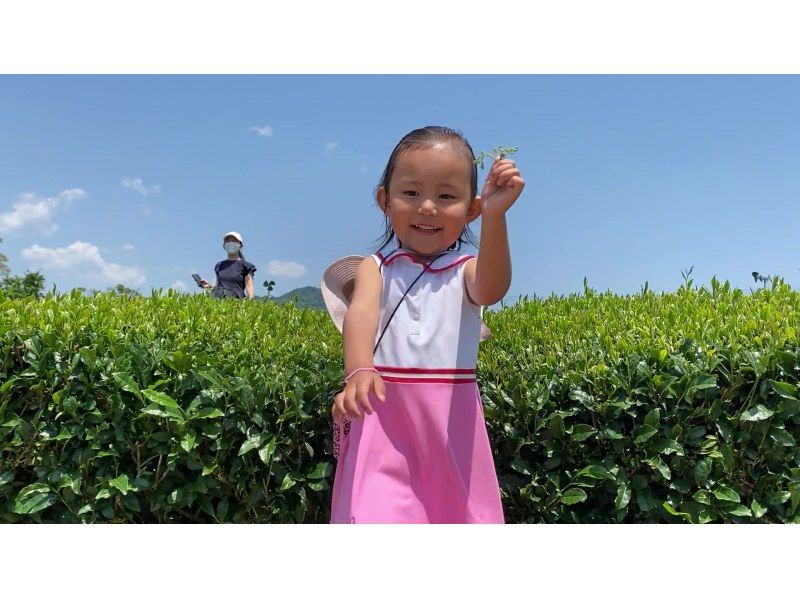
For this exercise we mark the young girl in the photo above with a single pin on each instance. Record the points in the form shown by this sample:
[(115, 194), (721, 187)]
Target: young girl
[(417, 450)]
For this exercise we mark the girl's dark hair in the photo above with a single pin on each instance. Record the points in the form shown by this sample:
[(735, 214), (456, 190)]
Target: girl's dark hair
[(428, 137)]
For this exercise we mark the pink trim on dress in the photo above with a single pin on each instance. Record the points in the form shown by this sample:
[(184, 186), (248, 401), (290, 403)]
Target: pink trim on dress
[(389, 368), (458, 262), (428, 380)]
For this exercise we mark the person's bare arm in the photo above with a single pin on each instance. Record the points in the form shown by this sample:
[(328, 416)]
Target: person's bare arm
[(359, 329), (248, 285), (488, 278)]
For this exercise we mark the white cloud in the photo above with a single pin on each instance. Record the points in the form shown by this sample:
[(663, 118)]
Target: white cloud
[(128, 247), (262, 131), (179, 286), (290, 269), (138, 186), (145, 210), (33, 212), (363, 168), (330, 146), (82, 258)]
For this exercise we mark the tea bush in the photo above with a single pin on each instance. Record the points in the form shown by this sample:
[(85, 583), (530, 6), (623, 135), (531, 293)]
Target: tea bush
[(600, 408)]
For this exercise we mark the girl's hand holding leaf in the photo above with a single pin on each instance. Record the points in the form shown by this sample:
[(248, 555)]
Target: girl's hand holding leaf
[(502, 188)]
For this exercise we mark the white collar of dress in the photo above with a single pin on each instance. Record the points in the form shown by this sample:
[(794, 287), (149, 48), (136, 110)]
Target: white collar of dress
[(444, 261)]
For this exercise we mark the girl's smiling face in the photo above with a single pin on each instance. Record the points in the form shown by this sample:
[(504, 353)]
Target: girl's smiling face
[(428, 199)]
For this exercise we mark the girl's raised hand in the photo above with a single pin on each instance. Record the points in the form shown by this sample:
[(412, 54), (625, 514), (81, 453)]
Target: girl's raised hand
[(355, 396), (502, 188)]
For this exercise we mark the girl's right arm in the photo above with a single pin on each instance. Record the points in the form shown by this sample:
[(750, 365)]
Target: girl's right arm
[(359, 329)]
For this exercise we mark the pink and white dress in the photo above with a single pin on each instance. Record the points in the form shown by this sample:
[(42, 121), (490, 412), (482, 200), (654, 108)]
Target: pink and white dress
[(423, 456)]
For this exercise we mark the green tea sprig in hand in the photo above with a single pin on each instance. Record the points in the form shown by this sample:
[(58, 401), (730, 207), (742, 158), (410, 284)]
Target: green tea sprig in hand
[(497, 153)]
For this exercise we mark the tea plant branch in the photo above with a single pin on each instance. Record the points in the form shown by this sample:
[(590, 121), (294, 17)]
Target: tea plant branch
[(158, 468), (271, 461), (559, 495), (497, 153), (190, 516)]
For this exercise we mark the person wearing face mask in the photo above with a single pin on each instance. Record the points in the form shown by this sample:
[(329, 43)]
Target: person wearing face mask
[(234, 274)]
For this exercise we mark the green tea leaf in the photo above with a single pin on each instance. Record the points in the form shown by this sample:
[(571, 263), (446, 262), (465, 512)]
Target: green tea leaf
[(758, 509), (739, 511), (596, 471), (644, 434), (127, 383), (160, 398), (705, 515), (207, 412), (581, 432), (265, 454), (254, 442), (7, 385), (784, 389), (724, 493), (222, 510), (6, 477), (33, 498), (781, 437), (610, 434), (779, 497), (153, 409), (789, 407), (652, 418), (666, 446), (755, 414), (644, 499), (702, 471), (320, 471), (552, 462), (658, 465), (572, 496), (794, 490), (672, 511), (623, 497), (120, 483), (189, 441), (703, 497), (130, 501), (521, 466), (702, 382)]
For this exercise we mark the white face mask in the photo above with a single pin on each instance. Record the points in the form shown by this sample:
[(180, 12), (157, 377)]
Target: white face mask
[(231, 247)]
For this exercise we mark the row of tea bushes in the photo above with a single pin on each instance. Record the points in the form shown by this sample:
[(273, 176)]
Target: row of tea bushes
[(601, 408)]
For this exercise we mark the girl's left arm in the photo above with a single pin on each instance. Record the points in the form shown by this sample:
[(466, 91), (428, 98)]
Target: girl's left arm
[(248, 285), (489, 277)]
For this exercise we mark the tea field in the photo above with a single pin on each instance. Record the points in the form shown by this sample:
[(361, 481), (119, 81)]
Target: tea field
[(676, 407)]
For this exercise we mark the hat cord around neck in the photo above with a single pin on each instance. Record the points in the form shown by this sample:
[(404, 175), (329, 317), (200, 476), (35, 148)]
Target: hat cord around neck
[(396, 307)]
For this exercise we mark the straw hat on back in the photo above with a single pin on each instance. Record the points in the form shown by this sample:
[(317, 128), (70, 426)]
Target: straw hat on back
[(337, 286)]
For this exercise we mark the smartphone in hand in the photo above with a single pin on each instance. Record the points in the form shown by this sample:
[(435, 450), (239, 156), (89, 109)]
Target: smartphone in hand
[(197, 279)]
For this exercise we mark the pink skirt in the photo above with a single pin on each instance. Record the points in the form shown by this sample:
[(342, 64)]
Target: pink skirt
[(423, 456)]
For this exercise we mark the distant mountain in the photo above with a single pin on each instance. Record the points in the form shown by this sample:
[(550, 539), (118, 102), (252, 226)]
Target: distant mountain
[(304, 297)]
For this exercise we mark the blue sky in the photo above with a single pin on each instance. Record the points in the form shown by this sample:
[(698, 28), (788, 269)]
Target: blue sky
[(134, 179)]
